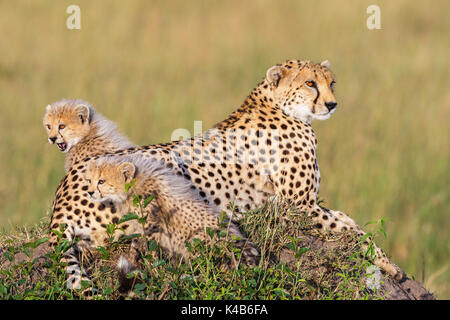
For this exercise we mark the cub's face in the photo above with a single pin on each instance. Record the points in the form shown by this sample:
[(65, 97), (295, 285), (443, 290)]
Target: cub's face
[(107, 180), (303, 90), (66, 124)]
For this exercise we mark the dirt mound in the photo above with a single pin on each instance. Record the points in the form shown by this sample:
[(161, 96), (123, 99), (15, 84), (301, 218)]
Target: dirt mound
[(390, 289), (406, 289)]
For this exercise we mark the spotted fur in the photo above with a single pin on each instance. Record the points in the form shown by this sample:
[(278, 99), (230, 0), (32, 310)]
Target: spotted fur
[(176, 214), (265, 149), (86, 220)]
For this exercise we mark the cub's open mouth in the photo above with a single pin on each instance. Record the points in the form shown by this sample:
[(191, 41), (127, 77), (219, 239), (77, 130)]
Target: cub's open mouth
[(62, 146)]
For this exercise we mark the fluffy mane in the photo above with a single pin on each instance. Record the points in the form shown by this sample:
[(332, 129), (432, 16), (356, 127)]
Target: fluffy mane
[(151, 168), (102, 127)]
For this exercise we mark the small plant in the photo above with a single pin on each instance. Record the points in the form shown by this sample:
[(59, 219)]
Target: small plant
[(290, 266), (370, 236)]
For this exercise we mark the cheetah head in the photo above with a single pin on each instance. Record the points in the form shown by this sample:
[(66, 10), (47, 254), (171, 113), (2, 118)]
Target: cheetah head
[(67, 122), (302, 89), (107, 180)]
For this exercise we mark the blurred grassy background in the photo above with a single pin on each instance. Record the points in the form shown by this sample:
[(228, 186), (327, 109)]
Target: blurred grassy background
[(154, 66)]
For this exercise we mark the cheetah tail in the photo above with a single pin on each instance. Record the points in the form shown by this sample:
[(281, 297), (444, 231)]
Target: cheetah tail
[(125, 267)]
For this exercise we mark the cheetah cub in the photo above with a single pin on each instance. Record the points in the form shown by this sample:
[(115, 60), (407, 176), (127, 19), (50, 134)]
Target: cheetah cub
[(176, 214), (80, 131)]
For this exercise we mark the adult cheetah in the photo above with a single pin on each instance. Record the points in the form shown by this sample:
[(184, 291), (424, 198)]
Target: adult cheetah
[(266, 148)]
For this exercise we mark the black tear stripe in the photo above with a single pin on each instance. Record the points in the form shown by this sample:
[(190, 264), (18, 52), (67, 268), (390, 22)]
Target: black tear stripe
[(315, 100), (318, 93)]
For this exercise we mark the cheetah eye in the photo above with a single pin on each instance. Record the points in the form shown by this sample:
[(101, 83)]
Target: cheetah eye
[(332, 84), (48, 126), (101, 181), (310, 84), (61, 126)]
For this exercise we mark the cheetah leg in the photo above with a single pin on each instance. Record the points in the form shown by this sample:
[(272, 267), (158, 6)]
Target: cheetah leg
[(249, 254), (336, 221), (74, 272)]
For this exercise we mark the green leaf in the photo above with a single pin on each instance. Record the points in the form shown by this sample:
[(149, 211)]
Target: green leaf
[(142, 220), (223, 216), (371, 222), (235, 238), (26, 251), (364, 237), (148, 200), (85, 284), (139, 287), (107, 291), (159, 263), (281, 292), (189, 246), (131, 236), (57, 233), (301, 251), (136, 200), (222, 234), (110, 228), (36, 243), (291, 245), (152, 245), (130, 185), (210, 232), (102, 249), (129, 216), (9, 256)]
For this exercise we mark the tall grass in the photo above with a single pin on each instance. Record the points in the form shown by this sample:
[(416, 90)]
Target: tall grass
[(154, 66)]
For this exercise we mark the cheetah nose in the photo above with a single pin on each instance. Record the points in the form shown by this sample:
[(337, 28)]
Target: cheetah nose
[(52, 139), (91, 193), (330, 105)]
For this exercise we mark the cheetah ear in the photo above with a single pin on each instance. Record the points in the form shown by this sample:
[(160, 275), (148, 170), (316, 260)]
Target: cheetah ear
[(48, 108), (275, 74), (83, 112), (128, 169), (325, 64)]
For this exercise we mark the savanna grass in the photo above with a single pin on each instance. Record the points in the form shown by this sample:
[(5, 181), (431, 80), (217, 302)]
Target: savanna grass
[(287, 270), (155, 66)]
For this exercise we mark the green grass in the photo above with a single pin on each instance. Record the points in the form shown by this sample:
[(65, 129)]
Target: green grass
[(154, 66), (288, 269)]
